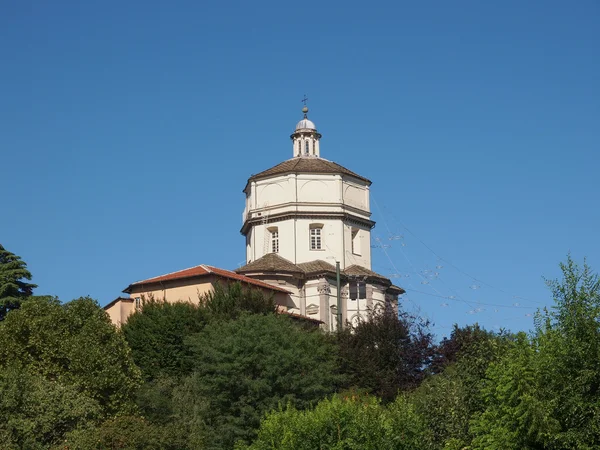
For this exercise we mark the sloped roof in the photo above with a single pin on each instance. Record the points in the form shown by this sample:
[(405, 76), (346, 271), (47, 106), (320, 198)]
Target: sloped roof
[(203, 270), (271, 262), (397, 288), (118, 299), (307, 165), (316, 266), (360, 271)]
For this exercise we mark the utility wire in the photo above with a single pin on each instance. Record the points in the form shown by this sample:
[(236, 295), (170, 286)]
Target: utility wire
[(445, 260)]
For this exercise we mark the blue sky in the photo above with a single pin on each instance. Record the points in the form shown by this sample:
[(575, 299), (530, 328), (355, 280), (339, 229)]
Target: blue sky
[(128, 130)]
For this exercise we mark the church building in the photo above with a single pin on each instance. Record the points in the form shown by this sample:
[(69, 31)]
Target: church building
[(307, 224), (302, 218)]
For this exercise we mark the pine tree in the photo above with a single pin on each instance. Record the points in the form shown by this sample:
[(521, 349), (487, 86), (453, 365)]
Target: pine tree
[(13, 288)]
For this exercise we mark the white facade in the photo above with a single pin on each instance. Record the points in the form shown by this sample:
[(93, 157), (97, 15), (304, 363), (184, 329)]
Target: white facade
[(300, 218), (294, 204), (286, 209)]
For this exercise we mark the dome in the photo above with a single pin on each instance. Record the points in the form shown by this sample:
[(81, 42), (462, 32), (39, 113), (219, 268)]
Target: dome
[(305, 123)]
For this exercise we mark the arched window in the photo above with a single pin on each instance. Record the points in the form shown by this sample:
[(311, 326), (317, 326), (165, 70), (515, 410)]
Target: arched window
[(306, 147)]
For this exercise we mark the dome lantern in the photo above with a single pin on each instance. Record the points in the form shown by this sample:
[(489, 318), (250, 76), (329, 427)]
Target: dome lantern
[(306, 138)]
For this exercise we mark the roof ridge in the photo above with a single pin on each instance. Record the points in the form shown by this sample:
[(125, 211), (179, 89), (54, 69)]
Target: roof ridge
[(307, 165), (169, 273), (209, 270)]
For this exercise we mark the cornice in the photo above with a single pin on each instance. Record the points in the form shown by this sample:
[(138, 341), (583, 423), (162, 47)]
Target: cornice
[(279, 217)]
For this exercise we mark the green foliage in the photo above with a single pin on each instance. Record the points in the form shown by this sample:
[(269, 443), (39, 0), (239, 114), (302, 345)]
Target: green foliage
[(545, 393), (513, 418), (386, 354), (229, 301), (156, 336), (157, 333), (448, 400), (13, 288), (463, 342), (342, 423), (214, 370), (36, 412), (155, 399), (72, 344), (567, 341), (246, 367), (126, 433)]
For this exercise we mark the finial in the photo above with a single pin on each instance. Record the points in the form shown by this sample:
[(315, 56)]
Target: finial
[(305, 108)]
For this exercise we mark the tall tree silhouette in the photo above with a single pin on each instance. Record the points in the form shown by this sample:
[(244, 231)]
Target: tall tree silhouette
[(13, 288)]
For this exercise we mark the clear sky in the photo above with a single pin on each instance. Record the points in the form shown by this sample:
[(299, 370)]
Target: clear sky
[(128, 131)]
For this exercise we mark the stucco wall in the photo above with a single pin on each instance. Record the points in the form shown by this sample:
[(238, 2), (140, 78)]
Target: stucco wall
[(120, 311), (189, 290), (305, 195), (308, 188), (175, 290)]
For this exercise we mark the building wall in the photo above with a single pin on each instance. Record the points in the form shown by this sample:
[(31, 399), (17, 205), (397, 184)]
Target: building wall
[(187, 290), (309, 194), (120, 311), (175, 290)]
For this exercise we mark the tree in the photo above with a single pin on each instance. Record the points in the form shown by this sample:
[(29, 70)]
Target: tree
[(355, 422), (463, 342), (448, 399), (36, 412), (156, 335), (546, 392), (74, 344), (124, 432), (157, 332), (246, 367), (386, 354), (515, 417), (13, 288), (229, 301), (568, 359)]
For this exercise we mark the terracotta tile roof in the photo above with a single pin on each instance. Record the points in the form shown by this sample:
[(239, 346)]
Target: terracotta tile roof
[(360, 271), (307, 165), (356, 270), (316, 266), (271, 262), (397, 288), (203, 270)]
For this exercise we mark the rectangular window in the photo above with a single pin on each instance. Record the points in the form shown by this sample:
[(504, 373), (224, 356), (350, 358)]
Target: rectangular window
[(138, 303), (358, 290), (356, 241), (315, 239), (275, 241)]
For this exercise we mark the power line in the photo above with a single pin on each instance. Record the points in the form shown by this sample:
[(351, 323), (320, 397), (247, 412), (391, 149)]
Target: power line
[(445, 260), (479, 303)]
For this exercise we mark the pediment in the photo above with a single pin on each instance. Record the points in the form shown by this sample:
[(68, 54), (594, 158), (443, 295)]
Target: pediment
[(312, 309)]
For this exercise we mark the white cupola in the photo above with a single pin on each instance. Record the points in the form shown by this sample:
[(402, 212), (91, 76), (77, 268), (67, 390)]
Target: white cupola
[(305, 138)]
